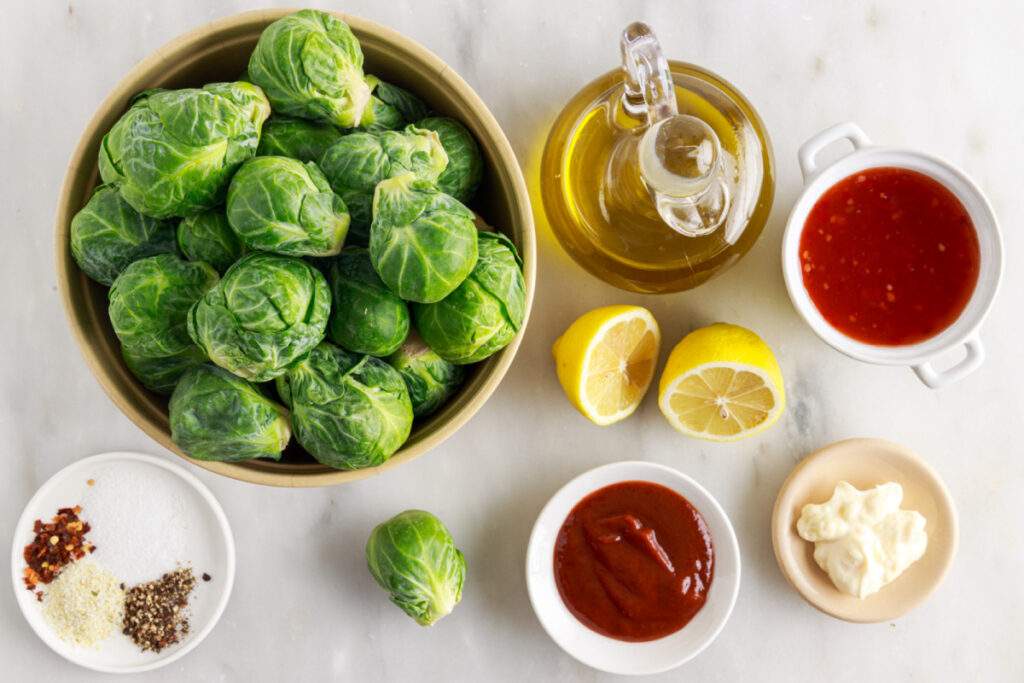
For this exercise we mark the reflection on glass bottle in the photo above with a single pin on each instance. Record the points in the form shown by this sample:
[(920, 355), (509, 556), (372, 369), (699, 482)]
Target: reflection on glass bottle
[(657, 176)]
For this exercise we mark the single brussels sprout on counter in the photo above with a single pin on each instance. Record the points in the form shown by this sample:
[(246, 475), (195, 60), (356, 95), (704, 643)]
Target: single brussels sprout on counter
[(310, 65), (174, 151), (215, 415), (391, 107), (108, 234), (208, 237), (465, 167), (300, 139), (358, 162), (413, 557), (150, 301), (349, 411), (366, 317), (283, 206), (431, 380), (266, 313), (485, 311), (160, 374), (423, 243)]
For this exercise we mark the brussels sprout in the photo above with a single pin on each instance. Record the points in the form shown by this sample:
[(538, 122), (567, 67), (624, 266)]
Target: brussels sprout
[(410, 107), (208, 237), (356, 163), (365, 316), (311, 66), (390, 107), (174, 151), (108, 234), (150, 300), (465, 165), (265, 314), (431, 380), (284, 136), (349, 411), (484, 313), (161, 373), (284, 206), (422, 242), (379, 116), (413, 557), (217, 416)]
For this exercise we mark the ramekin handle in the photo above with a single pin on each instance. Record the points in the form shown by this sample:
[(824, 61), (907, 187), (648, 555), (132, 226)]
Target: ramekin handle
[(841, 131), (936, 379)]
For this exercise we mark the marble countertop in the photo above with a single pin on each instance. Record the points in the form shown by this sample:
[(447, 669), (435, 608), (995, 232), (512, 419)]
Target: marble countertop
[(926, 75)]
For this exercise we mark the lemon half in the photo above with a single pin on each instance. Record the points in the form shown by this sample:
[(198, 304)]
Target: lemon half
[(721, 383), (606, 360)]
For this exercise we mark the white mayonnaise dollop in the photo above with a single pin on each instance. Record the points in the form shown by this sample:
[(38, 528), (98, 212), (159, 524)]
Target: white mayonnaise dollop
[(862, 539)]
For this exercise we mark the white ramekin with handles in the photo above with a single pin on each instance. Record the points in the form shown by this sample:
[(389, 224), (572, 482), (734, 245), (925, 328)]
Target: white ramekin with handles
[(964, 331)]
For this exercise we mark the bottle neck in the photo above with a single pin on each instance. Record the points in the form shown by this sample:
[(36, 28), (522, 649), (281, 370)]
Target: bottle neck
[(679, 155)]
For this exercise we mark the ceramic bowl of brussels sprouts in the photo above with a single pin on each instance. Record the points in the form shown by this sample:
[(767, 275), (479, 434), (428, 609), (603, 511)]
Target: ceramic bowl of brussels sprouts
[(296, 248)]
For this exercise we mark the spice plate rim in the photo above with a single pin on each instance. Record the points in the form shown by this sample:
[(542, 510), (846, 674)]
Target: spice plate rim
[(28, 515)]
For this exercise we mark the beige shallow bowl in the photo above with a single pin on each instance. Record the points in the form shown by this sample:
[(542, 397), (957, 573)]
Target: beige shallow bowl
[(865, 463), (220, 51)]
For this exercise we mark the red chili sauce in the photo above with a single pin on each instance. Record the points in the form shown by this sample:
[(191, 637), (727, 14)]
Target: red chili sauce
[(889, 256), (634, 561)]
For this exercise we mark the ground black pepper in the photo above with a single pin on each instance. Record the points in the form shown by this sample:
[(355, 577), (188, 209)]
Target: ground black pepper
[(155, 613)]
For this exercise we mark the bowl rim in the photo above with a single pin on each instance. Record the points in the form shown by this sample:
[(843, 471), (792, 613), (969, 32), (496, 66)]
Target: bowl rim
[(24, 521), (506, 166), (637, 657)]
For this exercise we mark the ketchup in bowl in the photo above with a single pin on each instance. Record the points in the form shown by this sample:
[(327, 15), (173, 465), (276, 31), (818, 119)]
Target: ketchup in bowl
[(889, 256), (634, 561)]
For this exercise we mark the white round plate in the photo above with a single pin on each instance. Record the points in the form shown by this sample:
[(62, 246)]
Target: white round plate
[(211, 549), (618, 656)]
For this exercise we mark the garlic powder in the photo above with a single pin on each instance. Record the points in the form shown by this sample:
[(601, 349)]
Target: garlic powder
[(84, 604)]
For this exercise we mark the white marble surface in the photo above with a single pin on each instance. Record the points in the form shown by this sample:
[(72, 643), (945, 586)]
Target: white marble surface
[(941, 77)]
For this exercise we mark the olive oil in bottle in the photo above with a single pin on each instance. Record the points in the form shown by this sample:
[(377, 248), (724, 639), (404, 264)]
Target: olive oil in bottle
[(659, 175)]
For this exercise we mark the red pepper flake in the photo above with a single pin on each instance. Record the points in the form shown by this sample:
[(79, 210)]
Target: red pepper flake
[(57, 544)]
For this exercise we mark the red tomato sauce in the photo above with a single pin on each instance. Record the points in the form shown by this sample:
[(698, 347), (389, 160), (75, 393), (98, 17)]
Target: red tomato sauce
[(889, 256), (634, 561)]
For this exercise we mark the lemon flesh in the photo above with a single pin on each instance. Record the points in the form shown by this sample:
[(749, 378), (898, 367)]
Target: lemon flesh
[(721, 383), (606, 359)]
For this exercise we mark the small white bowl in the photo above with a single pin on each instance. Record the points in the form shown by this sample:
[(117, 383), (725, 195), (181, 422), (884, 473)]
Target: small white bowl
[(964, 331), (609, 654), (213, 551)]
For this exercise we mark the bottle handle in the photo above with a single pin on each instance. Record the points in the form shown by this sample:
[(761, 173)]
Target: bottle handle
[(649, 89), (808, 154), (936, 379), (679, 154)]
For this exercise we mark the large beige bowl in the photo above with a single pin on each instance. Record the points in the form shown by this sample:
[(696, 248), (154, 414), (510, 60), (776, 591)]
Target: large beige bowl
[(220, 52)]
